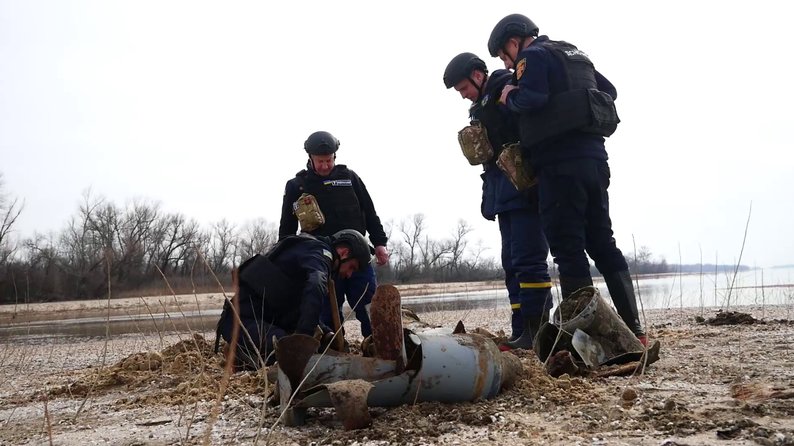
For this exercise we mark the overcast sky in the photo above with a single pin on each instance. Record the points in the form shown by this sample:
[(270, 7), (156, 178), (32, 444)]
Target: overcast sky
[(204, 107)]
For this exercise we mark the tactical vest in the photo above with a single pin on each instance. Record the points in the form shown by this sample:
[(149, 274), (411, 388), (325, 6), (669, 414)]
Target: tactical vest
[(263, 278), (501, 129), (580, 107), (337, 199)]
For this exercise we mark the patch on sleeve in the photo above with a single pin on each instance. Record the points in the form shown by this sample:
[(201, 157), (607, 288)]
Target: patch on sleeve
[(522, 64), (328, 254)]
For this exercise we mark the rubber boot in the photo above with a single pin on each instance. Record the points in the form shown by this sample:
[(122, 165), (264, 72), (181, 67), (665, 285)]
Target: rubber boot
[(537, 302), (516, 321), (569, 285), (621, 290), (531, 326)]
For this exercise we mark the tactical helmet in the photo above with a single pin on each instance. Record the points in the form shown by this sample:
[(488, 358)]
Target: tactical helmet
[(461, 66), (360, 249), (514, 25), (321, 143)]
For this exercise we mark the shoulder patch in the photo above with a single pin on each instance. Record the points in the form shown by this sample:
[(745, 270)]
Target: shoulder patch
[(328, 254), (520, 66)]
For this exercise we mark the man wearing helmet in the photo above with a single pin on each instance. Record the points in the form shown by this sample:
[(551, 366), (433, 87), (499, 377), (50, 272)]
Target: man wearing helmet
[(524, 248), (558, 95), (283, 291), (345, 204)]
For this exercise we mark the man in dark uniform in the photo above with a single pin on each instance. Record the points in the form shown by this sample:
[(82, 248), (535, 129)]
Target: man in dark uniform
[(555, 85), (524, 247), (346, 204), (283, 291)]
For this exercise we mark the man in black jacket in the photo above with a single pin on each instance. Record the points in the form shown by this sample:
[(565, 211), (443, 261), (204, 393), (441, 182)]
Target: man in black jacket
[(524, 247), (345, 204), (283, 291)]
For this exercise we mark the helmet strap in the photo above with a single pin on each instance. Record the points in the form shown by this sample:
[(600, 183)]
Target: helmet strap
[(518, 50), (479, 86)]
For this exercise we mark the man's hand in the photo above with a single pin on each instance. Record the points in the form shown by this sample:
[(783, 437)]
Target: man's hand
[(506, 91), (381, 255)]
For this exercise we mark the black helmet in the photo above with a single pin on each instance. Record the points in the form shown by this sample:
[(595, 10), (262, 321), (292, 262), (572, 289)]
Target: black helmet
[(514, 25), (461, 66), (321, 143), (360, 249)]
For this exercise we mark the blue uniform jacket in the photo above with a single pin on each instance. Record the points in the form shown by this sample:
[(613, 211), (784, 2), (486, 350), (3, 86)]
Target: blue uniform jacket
[(539, 75)]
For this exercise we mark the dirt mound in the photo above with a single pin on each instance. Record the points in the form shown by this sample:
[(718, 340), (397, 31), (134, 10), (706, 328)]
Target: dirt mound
[(730, 318), (574, 305), (186, 372)]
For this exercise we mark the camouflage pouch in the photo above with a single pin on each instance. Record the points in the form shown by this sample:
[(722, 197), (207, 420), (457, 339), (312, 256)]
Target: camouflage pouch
[(518, 171), (308, 212), (474, 142)]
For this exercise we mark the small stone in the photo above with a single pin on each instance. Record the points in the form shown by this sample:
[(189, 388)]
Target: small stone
[(629, 394)]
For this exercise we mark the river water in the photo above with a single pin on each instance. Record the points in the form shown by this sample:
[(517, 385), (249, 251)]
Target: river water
[(721, 290)]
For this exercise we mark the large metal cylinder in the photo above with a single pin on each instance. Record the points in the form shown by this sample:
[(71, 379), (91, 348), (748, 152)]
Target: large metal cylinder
[(453, 368)]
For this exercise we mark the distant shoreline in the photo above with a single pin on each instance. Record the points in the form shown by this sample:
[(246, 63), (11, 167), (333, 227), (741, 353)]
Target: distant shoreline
[(76, 309)]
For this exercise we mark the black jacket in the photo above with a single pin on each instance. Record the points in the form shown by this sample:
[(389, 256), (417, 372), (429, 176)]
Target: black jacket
[(342, 209), (498, 193), (287, 286)]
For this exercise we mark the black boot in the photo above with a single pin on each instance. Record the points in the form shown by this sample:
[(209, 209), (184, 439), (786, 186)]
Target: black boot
[(531, 326), (569, 285), (516, 322), (621, 290)]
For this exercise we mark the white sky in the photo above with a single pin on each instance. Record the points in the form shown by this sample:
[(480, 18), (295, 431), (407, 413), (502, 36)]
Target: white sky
[(204, 106)]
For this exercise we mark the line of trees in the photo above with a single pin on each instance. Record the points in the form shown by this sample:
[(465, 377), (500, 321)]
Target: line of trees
[(138, 249)]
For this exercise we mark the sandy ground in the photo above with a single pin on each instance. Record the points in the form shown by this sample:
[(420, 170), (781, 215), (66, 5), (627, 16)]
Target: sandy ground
[(730, 384)]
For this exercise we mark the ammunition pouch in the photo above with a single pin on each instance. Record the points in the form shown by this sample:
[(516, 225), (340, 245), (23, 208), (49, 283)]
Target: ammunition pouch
[(308, 212), (583, 110), (518, 170), (474, 143)]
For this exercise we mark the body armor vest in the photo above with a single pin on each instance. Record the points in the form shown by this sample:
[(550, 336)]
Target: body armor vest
[(501, 129), (578, 68), (580, 107), (261, 277), (337, 199)]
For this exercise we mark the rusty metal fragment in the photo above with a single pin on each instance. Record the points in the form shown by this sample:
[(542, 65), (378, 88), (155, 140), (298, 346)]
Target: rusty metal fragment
[(293, 353), (350, 401), (387, 328), (562, 363), (633, 367)]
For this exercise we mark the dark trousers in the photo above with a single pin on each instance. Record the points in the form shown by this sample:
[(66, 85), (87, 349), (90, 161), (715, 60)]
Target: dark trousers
[(574, 207), (248, 352), (358, 290), (524, 253)]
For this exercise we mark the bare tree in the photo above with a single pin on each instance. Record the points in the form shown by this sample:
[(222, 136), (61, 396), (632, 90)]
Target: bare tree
[(257, 236), (171, 240), (433, 254), (10, 208), (457, 246), (222, 246), (410, 238), (137, 225)]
